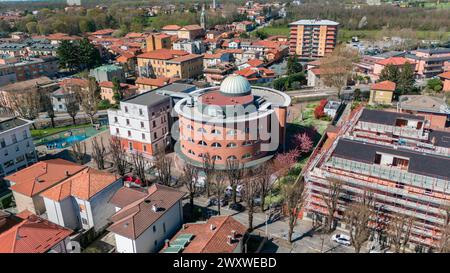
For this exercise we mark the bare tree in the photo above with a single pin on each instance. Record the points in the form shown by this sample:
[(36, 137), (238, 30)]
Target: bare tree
[(234, 171), (118, 155), (218, 187), (163, 165), (79, 151), (26, 104), (190, 179), (444, 240), (293, 197), (139, 166), (46, 101), (331, 199), (71, 104), (264, 175), (337, 67), (357, 216), (98, 152), (209, 169), (89, 99), (399, 231), (249, 193)]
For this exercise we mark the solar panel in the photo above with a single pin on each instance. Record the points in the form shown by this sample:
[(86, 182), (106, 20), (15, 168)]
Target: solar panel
[(173, 249)]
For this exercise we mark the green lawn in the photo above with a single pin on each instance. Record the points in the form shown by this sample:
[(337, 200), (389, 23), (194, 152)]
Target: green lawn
[(308, 119), (41, 133), (277, 30)]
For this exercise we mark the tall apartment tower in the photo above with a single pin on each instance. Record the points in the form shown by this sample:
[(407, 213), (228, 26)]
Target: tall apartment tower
[(312, 39)]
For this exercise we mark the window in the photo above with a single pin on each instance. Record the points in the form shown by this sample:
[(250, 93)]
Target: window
[(216, 145), (154, 124), (190, 140), (14, 138), (143, 136), (24, 134), (140, 112), (154, 230), (201, 130), (129, 133), (2, 143), (247, 155), (191, 152), (116, 119), (428, 191), (202, 143), (155, 135), (17, 148), (231, 145), (84, 221), (189, 127), (232, 157), (215, 132), (164, 227), (126, 109), (232, 133), (117, 131), (216, 157), (128, 122)]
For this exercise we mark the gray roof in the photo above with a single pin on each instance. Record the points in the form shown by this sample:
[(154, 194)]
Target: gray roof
[(441, 138), (386, 117), (11, 123), (439, 50), (178, 87), (423, 103), (148, 98), (419, 163)]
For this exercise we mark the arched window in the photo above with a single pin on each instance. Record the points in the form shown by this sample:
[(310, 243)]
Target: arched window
[(189, 127), (231, 157), (216, 145), (215, 132), (202, 143), (190, 140), (201, 130), (191, 152), (247, 155), (231, 145), (216, 157), (201, 155), (232, 132), (246, 143)]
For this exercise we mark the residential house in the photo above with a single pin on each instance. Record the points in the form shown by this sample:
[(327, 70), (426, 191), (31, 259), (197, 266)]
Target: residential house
[(102, 33), (434, 109), (190, 32), (81, 201), (27, 184), (382, 92), (210, 60), (61, 98), (257, 74), (244, 26), (35, 235), (107, 92), (158, 41), (145, 218), (106, 73), (396, 61), (252, 63), (191, 46), (445, 78), (142, 123), (170, 29), (216, 74), (16, 145), (219, 234), (145, 84)]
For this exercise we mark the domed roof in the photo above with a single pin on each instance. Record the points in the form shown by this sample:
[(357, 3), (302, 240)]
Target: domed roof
[(235, 85)]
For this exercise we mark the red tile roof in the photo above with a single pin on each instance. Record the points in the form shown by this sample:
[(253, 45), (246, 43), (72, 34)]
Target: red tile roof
[(384, 86), (445, 75), (83, 185), (255, 63), (42, 176), (136, 217), (213, 241), (106, 31), (191, 27), (246, 72), (185, 58), (110, 84), (74, 81), (171, 27), (393, 61), (159, 82), (32, 235), (163, 54)]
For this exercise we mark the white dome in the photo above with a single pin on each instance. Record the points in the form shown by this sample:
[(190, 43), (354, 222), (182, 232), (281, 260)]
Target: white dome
[(235, 85)]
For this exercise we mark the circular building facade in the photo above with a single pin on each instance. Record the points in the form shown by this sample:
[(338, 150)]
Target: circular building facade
[(233, 121)]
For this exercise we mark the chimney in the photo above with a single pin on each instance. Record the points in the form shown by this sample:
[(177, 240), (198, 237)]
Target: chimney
[(233, 234), (212, 227), (154, 208), (67, 173), (229, 240), (167, 243), (184, 226)]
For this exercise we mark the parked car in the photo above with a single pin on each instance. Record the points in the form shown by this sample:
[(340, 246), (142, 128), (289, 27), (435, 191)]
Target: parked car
[(341, 239), (213, 202), (229, 191), (237, 207)]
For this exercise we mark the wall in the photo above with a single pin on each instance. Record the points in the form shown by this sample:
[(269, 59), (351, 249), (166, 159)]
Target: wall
[(378, 96), (63, 213), (24, 202)]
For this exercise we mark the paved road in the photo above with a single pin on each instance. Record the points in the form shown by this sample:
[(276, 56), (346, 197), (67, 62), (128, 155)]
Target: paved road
[(304, 240)]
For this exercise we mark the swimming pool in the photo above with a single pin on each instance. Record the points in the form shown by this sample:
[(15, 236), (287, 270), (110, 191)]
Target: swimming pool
[(64, 142)]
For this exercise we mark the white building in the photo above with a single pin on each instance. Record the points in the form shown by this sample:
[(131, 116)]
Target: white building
[(60, 99), (81, 201), (16, 145), (193, 47), (145, 218), (142, 123)]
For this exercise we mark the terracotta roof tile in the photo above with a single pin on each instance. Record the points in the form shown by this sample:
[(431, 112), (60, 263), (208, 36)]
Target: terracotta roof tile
[(42, 176), (393, 61), (384, 85), (445, 75), (32, 235), (171, 27), (185, 58), (133, 219), (83, 185), (255, 63), (159, 82), (163, 54)]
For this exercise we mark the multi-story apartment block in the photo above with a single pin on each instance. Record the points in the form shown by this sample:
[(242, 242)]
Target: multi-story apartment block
[(16, 145), (36, 67), (158, 41), (193, 47), (142, 123), (395, 156), (170, 63), (311, 39), (429, 62)]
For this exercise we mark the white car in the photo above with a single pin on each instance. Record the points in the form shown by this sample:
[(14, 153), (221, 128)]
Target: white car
[(341, 239)]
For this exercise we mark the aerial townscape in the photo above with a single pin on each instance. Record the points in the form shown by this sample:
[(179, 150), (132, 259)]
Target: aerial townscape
[(213, 126)]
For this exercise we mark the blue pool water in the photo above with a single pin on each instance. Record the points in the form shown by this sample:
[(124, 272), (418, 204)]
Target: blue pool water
[(64, 142)]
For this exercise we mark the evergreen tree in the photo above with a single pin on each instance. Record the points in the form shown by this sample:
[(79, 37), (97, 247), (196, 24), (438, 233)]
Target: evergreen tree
[(117, 90), (390, 73), (293, 65), (405, 83), (89, 56), (68, 55)]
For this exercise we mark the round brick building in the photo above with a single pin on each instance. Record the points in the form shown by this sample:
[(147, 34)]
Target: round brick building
[(233, 121)]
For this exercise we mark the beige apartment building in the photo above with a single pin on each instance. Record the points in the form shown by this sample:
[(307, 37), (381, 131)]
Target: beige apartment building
[(311, 39)]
